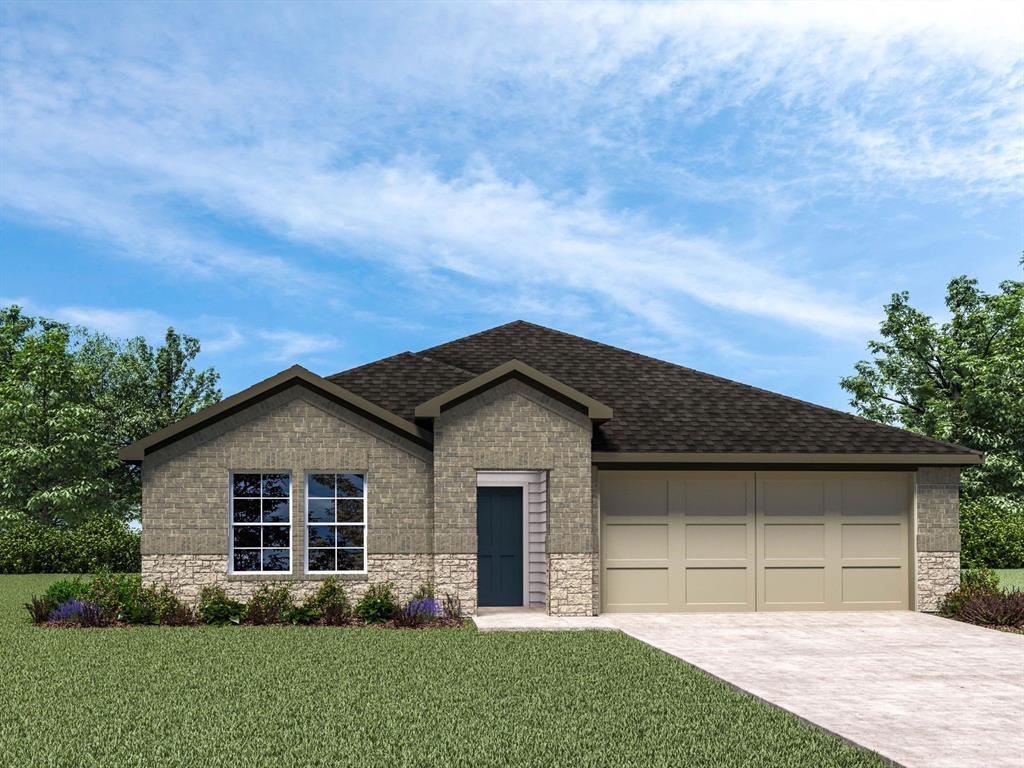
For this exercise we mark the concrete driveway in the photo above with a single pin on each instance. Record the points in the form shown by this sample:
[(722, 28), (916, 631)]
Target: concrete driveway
[(918, 689)]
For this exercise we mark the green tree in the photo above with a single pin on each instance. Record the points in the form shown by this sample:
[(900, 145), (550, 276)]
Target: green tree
[(961, 381), (55, 459), (70, 399)]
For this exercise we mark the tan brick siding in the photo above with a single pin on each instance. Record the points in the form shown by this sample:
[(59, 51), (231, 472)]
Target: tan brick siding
[(512, 427), (186, 485)]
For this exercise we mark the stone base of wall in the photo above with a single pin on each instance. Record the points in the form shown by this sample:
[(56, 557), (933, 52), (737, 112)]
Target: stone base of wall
[(938, 573), (456, 575), (186, 575), (571, 585)]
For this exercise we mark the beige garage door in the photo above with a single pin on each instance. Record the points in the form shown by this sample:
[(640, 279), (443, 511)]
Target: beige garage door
[(743, 541)]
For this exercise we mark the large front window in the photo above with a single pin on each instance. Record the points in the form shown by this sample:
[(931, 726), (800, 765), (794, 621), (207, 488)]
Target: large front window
[(335, 523), (260, 522)]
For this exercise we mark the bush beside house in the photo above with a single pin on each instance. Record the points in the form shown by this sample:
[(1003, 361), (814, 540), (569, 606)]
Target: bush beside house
[(119, 599), (101, 543)]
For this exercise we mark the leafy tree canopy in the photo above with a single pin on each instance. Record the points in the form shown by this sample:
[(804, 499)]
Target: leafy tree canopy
[(69, 399), (961, 380)]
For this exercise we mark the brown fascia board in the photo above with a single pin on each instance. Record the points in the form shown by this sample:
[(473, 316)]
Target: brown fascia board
[(910, 459), (296, 375), (517, 369)]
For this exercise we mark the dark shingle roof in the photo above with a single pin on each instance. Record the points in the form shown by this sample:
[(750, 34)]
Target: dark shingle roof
[(658, 406)]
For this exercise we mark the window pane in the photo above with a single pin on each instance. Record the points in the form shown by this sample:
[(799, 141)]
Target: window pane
[(350, 559), (275, 559), (247, 535), (247, 560), (350, 485), (275, 535), (321, 485), (350, 535), (321, 510), (276, 486), (350, 510), (321, 560), (275, 510), (321, 536), (246, 485), (247, 510)]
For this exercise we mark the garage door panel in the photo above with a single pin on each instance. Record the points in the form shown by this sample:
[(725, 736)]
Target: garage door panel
[(717, 542), (878, 587), (629, 494), (637, 589), (885, 494), (873, 540), (794, 588), (719, 588), (711, 495), (636, 542), (791, 495), (793, 540)]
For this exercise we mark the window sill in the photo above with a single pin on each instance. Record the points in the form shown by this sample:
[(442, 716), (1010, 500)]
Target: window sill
[(272, 576)]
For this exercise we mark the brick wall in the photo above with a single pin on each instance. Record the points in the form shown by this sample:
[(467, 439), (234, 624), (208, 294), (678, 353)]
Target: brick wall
[(514, 427), (938, 534), (186, 485)]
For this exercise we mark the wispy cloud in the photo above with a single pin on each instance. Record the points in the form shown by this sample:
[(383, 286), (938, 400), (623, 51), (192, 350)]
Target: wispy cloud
[(424, 158)]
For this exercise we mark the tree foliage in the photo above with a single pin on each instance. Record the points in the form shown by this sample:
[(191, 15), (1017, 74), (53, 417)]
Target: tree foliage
[(69, 399), (961, 380)]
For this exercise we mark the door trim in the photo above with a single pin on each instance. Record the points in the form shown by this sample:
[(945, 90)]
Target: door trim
[(515, 480)]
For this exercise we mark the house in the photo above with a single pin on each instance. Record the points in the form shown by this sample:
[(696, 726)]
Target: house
[(523, 466)]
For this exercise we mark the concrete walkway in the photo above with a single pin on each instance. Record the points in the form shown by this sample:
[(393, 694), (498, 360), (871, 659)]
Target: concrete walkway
[(923, 691)]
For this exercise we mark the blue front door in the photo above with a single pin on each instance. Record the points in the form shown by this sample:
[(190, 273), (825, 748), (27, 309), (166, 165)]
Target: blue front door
[(499, 537)]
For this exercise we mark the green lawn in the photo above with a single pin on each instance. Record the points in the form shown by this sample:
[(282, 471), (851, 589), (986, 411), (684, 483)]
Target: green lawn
[(295, 696), (1011, 577)]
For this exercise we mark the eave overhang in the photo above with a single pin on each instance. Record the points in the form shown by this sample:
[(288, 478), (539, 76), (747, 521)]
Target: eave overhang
[(616, 458)]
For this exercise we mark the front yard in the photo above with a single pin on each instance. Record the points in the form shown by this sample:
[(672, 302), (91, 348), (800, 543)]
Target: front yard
[(303, 696)]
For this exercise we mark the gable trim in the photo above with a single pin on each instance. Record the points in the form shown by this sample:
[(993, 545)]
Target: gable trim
[(294, 376), (514, 369)]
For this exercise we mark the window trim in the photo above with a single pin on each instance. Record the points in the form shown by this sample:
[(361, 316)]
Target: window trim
[(231, 524), (305, 523)]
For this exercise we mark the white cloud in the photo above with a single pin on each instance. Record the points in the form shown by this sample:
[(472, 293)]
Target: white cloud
[(119, 323), (137, 149), (284, 346)]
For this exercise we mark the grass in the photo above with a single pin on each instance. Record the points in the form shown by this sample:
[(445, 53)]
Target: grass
[(299, 696), (1010, 577)]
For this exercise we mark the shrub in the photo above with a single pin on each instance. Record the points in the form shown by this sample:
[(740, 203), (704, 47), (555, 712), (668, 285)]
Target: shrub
[(120, 596), (418, 611), (269, 605), (992, 532), (66, 589), (1004, 609), (103, 542), (452, 606), (425, 590), (215, 607), (300, 614), (84, 612), (378, 604), (174, 613), (330, 603), (973, 581), (39, 608)]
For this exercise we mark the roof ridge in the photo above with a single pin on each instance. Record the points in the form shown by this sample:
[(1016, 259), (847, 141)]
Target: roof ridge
[(790, 398)]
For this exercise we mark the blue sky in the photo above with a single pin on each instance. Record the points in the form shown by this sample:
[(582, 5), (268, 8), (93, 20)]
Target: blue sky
[(737, 188)]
